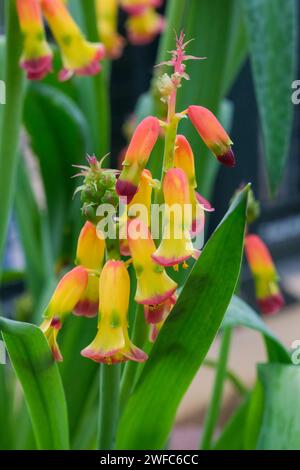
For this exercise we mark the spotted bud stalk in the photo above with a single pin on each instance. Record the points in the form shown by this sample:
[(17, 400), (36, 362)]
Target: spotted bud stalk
[(63, 301), (176, 245), (90, 254), (268, 294), (112, 343), (213, 134), (154, 286), (79, 56), (142, 28), (36, 58), (137, 155), (107, 22)]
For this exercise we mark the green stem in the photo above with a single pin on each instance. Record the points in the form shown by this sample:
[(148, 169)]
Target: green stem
[(129, 375), (230, 375), (170, 139), (213, 411), (100, 112), (11, 119), (108, 405)]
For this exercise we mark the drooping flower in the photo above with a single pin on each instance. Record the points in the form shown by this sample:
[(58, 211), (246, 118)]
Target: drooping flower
[(142, 28), (137, 155), (140, 206), (107, 22), (78, 55), (36, 59), (135, 7), (213, 134), (268, 294), (63, 301), (154, 286), (184, 159), (176, 245), (112, 343), (90, 254), (155, 326)]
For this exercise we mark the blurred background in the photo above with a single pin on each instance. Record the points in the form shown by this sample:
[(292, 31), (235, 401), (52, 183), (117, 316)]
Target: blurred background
[(279, 224)]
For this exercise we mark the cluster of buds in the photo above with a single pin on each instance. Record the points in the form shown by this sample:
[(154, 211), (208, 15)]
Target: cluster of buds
[(79, 56), (142, 26), (152, 255)]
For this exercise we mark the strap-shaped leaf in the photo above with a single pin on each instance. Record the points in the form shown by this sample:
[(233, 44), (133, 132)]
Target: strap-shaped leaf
[(272, 31), (41, 382), (186, 337)]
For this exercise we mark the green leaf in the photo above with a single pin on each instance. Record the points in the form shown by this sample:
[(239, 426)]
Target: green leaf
[(240, 314), (31, 358), (186, 337), (272, 31), (59, 135), (280, 429)]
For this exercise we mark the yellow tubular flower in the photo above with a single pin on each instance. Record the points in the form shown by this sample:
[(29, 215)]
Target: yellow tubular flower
[(144, 27), (107, 21), (135, 7), (112, 343), (79, 56), (176, 245), (36, 59), (154, 286), (63, 301), (90, 254)]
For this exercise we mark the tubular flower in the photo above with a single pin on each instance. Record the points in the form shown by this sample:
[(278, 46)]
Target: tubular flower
[(79, 56), (140, 206), (144, 27), (166, 310), (154, 286), (112, 343), (184, 159), (37, 56), (269, 296), (213, 134), (65, 298), (137, 155), (176, 245), (90, 254), (135, 7), (107, 21)]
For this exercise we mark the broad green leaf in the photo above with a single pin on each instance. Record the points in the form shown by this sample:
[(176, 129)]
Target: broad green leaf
[(280, 429), (58, 135), (186, 337), (240, 314), (38, 374), (6, 412), (272, 34)]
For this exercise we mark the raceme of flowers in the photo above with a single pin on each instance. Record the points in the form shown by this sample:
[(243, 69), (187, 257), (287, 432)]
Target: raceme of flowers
[(100, 282), (78, 55)]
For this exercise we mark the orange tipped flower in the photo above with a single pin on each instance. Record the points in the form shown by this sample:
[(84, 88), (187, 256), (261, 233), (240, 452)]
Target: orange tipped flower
[(37, 56), (107, 21), (135, 7), (213, 134), (142, 28), (79, 56), (65, 298), (140, 207), (112, 343), (184, 159), (176, 245), (90, 254), (154, 286), (137, 155), (269, 296)]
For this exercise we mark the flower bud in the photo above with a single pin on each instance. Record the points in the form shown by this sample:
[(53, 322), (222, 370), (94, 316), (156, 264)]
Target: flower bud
[(213, 134)]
